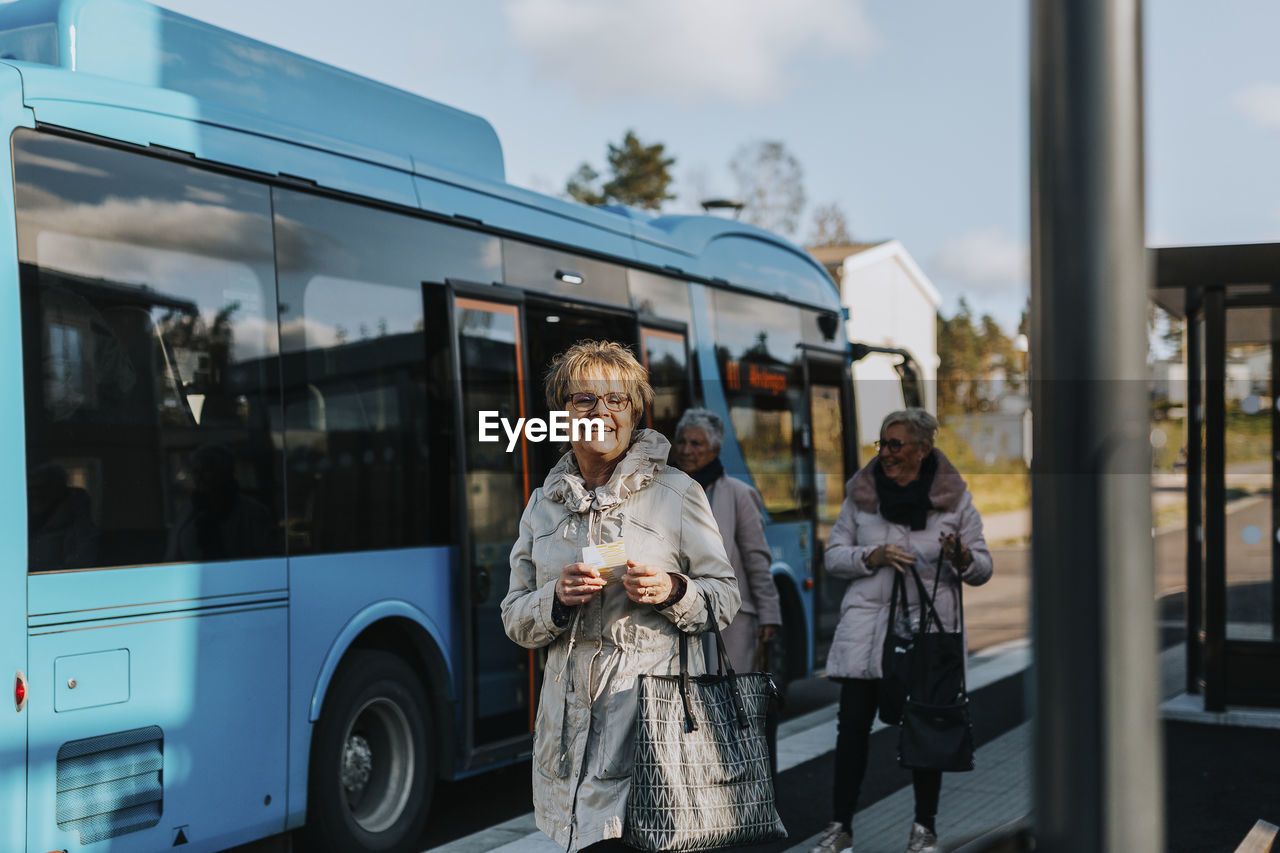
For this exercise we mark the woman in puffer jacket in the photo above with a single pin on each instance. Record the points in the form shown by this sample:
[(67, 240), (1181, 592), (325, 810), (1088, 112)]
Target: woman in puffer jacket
[(907, 506), (604, 627)]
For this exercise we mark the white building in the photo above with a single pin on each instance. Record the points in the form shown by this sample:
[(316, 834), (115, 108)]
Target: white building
[(891, 303)]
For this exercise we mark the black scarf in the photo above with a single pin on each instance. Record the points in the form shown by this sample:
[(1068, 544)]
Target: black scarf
[(709, 473), (907, 504)]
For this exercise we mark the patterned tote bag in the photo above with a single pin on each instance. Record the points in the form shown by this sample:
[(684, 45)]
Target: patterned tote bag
[(701, 778)]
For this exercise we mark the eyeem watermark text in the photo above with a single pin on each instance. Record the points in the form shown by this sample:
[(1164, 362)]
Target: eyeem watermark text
[(558, 428)]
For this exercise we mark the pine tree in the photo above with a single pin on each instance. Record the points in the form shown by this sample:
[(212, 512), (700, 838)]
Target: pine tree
[(641, 176)]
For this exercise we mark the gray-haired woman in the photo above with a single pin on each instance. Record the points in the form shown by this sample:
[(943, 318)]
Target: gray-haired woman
[(604, 627), (739, 513), (907, 506)]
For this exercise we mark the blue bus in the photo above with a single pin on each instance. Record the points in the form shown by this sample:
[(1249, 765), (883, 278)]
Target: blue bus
[(252, 307)]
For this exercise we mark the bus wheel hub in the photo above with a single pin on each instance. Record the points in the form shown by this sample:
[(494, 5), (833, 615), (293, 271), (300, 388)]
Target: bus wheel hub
[(357, 763)]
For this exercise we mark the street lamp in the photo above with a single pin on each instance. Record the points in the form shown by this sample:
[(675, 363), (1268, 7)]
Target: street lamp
[(714, 204)]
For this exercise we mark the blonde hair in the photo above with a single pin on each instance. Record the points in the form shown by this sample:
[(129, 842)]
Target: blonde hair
[(569, 368)]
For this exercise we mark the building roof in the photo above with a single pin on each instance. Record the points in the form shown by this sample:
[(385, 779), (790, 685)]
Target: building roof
[(834, 255)]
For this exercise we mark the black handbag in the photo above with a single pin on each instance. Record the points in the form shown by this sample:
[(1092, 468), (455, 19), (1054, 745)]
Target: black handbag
[(896, 657), (937, 732), (701, 776)]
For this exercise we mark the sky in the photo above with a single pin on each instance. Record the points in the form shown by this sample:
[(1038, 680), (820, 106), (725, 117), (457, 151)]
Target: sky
[(912, 117)]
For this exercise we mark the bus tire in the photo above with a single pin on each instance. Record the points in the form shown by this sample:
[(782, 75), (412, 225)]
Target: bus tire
[(372, 760)]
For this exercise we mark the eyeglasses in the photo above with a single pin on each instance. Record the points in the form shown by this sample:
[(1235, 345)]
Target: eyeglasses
[(584, 401), (892, 445)]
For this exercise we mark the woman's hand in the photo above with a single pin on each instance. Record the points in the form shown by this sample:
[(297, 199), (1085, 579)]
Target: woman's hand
[(891, 555), (956, 551), (578, 584), (646, 584)]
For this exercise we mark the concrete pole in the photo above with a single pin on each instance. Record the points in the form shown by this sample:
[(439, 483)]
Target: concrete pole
[(1099, 779)]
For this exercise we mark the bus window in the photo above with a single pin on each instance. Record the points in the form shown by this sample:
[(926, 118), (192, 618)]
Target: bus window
[(149, 343), (756, 347), (367, 456), (667, 359), (562, 274), (656, 295)]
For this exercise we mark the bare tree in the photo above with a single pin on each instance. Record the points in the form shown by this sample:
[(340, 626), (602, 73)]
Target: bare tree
[(830, 227), (771, 184)]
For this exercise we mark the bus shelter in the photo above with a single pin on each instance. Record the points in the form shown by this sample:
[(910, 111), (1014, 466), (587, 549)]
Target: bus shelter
[(1230, 299)]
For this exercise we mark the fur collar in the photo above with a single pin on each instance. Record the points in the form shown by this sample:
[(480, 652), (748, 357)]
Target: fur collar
[(948, 486), (642, 462)]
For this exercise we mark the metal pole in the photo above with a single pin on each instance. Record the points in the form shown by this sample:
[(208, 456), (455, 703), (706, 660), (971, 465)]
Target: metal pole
[(1099, 781), (1195, 494)]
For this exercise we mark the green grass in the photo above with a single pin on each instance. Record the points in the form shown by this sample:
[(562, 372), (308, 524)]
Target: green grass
[(1006, 486), (1248, 438)]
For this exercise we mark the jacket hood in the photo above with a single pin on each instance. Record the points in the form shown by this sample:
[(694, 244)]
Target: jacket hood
[(948, 486), (642, 462)]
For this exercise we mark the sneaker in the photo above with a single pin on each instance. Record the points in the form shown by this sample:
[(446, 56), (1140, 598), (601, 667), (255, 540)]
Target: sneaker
[(833, 839), (922, 840)]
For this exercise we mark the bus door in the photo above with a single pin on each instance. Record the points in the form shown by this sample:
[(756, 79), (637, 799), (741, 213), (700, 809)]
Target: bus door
[(553, 326), (491, 365), (833, 461)]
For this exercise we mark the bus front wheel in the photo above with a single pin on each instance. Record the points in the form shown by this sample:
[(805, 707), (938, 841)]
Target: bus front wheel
[(372, 766)]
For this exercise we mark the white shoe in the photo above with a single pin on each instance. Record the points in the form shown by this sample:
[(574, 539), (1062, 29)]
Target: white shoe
[(833, 839), (922, 840)]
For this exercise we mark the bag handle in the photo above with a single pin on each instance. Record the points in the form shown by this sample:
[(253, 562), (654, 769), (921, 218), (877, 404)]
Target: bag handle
[(933, 612), (928, 613), (899, 592), (724, 668)]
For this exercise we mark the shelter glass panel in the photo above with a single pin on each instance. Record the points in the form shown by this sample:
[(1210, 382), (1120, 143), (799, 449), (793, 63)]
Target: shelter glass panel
[(1251, 538)]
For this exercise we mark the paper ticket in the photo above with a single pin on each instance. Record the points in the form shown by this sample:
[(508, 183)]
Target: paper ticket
[(609, 559)]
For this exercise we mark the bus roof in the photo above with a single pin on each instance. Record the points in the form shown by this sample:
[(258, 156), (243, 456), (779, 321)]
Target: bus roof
[(246, 85)]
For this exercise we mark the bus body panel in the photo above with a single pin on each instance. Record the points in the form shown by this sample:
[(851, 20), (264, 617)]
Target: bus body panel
[(85, 597), (501, 211), (792, 543), (268, 86), (142, 116), (212, 679), (334, 597), (13, 509)]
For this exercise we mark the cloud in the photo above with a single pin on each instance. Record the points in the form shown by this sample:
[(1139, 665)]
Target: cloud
[(1260, 103), (986, 259), (689, 52)]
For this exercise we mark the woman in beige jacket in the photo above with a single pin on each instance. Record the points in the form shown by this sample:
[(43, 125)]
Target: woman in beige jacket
[(602, 627)]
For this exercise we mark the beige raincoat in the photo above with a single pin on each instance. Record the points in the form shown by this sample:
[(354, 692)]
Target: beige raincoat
[(582, 749)]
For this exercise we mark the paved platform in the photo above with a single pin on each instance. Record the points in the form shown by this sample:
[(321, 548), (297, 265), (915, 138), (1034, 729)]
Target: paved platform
[(996, 792), (999, 790), (804, 738)]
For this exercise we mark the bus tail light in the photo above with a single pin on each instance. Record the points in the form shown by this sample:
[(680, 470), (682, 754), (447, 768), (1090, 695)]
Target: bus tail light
[(20, 690)]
